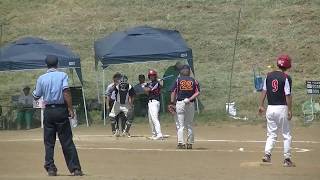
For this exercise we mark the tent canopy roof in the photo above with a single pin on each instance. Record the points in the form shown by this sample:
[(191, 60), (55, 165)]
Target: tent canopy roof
[(141, 44), (30, 53)]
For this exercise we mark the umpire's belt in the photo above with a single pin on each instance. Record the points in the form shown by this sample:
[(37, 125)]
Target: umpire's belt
[(55, 105)]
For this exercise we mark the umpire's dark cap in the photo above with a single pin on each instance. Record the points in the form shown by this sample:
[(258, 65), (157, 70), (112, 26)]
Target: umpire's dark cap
[(51, 60)]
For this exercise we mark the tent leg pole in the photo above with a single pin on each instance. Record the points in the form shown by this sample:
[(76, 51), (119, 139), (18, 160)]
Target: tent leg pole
[(312, 110), (98, 92), (42, 116), (197, 100), (197, 104), (104, 99), (85, 107)]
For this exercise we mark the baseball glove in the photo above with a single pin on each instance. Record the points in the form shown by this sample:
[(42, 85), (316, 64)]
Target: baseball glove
[(172, 109)]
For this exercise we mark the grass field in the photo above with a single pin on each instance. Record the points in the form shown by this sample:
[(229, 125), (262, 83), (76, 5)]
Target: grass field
[(267, 28)]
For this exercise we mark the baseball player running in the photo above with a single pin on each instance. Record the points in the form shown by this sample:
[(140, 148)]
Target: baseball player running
[(183, 94), (124, 96), (277, 89), (153, 89)]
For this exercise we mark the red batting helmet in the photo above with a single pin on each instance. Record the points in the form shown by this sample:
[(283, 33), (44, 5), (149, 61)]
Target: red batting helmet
[(152, 73), (284, 61)]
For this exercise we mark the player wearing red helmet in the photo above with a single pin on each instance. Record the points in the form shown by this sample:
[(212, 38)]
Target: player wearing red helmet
[(277, 89), (153, 89)]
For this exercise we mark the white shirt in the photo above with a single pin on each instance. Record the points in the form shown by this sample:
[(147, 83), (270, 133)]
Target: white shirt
[(110, 91)]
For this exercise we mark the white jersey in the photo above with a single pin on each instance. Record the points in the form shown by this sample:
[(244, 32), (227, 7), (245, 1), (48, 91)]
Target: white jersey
[(110, 91)]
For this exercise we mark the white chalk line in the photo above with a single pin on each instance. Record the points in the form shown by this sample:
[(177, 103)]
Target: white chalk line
[(78, 137), (250, 141), (165, 150), (298, 150)]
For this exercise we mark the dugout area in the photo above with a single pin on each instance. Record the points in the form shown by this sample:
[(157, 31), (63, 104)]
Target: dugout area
[(28, 55)]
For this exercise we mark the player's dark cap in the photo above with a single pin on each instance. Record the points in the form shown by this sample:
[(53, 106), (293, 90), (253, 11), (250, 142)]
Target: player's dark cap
[(51, 61), (185, 67), (26, 88), (185, 70), (117, 75)]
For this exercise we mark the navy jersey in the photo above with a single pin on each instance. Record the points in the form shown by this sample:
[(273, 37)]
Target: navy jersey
[(155, 89), (122, 95), (277, 85), (185, 87)]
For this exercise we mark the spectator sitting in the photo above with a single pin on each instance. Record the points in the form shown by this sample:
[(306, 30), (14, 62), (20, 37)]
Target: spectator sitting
[(25, 108)]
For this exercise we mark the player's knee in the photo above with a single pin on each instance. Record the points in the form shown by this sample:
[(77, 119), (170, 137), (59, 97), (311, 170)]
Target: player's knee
[(129, 121), (272, 135), (287, 137), (113, 120)]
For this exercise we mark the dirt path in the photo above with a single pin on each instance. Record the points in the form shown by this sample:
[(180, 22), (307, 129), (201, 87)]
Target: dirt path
[(216, 155)]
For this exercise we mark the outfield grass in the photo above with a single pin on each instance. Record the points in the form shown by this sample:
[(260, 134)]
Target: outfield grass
[(267, 28)]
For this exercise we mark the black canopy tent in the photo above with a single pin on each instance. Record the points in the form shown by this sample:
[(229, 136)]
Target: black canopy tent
[(141, 44), (29, 53)]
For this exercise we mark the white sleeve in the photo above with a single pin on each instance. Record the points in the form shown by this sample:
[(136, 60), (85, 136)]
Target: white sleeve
[(287, 88), (109, 90), (265, 85)]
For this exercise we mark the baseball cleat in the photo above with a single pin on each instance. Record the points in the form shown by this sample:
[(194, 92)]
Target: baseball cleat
[(157, 138), (189, 146), (77, 172), (266, 158), (116, 133), (124, 134), (181, 146), (288, 163), (52, 172)]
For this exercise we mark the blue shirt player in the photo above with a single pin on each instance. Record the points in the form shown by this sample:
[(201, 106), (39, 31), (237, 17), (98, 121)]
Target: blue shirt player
[(53, 87)]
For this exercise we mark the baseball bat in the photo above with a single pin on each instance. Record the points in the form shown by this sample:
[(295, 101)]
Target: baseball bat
[(166, 77)]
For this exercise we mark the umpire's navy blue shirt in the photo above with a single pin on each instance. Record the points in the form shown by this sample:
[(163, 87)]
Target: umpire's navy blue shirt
[(50, 86)]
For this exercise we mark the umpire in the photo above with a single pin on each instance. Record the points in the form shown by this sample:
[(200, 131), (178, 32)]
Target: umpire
[(53, 87)]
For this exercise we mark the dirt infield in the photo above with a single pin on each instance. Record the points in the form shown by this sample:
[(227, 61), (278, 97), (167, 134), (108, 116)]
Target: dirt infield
[(221, 152)]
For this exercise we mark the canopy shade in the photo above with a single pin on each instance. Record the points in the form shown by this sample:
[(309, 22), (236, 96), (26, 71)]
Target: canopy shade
[(141, 44), (30, 53)]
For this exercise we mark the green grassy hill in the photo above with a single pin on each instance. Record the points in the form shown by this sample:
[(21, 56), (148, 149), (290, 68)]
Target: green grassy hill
[(267, 28)]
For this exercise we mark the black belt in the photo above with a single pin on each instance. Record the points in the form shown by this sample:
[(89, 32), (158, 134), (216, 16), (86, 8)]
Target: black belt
[(183, 99), (153, 100), (55, 105)]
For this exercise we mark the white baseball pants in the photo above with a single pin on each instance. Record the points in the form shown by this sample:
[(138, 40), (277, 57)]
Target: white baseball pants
[(153, 114), (184, 119), (277, 120)]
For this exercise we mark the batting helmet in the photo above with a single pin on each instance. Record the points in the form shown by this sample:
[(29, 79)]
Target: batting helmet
[(152, 73), (284, 61)]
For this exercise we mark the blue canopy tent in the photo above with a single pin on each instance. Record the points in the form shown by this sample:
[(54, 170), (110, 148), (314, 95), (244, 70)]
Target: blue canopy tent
[(141, 44), (29, 53)]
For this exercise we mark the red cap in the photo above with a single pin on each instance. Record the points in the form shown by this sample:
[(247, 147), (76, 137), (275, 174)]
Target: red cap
[(152, 73), (284, 61)]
